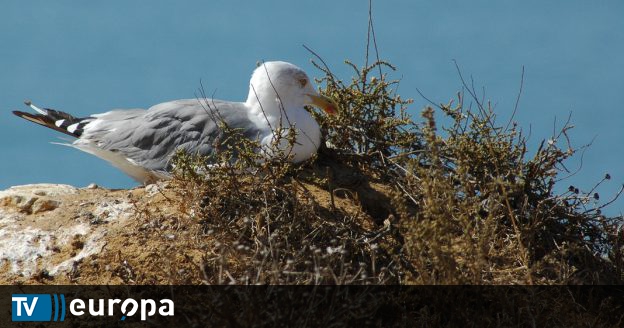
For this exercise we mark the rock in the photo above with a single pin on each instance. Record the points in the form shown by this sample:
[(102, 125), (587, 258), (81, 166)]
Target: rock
[(59, 234), (40, 223), (34, 198), (92, 186), (42, 189), (155, 188), (43, 205)]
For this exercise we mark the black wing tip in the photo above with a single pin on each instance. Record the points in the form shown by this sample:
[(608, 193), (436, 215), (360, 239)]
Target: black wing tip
[(44, 121), (27, 102)]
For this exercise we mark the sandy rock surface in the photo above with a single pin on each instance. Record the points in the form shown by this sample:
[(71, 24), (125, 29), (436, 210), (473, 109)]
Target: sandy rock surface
[(46, 230)]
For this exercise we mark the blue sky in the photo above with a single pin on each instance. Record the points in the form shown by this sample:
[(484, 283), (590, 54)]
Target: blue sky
[(89, 57)]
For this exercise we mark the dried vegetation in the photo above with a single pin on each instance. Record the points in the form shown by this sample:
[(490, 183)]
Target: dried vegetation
[(392, 200)]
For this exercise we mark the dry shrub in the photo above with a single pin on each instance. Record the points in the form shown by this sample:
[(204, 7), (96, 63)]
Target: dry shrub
[(263, 222), (390, 200), (489, 214)]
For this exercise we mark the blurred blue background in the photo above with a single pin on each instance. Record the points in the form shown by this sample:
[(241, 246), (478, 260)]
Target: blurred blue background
[(89, 57)]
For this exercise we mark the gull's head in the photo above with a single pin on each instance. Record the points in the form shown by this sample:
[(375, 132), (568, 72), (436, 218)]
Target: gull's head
[(288, 84)]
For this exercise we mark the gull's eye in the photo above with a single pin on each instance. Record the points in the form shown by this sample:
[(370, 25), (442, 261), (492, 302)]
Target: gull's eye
[(303, 82)]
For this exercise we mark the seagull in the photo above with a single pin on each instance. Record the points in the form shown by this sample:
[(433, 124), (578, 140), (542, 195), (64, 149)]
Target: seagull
[(142, 142)]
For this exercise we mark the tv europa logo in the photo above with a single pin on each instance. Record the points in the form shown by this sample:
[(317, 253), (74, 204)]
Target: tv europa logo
[(38, 307)]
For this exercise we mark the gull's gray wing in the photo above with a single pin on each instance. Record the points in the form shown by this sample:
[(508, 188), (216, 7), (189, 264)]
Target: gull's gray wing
[(149, 138)]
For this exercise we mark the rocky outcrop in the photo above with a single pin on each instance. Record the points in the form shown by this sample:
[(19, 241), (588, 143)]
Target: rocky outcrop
[(46, 229)]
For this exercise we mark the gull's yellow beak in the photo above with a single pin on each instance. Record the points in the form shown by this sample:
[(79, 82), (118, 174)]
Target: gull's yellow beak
[(325, 103)]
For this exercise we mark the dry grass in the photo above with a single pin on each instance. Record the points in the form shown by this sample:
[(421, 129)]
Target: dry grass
[(394, 201)]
